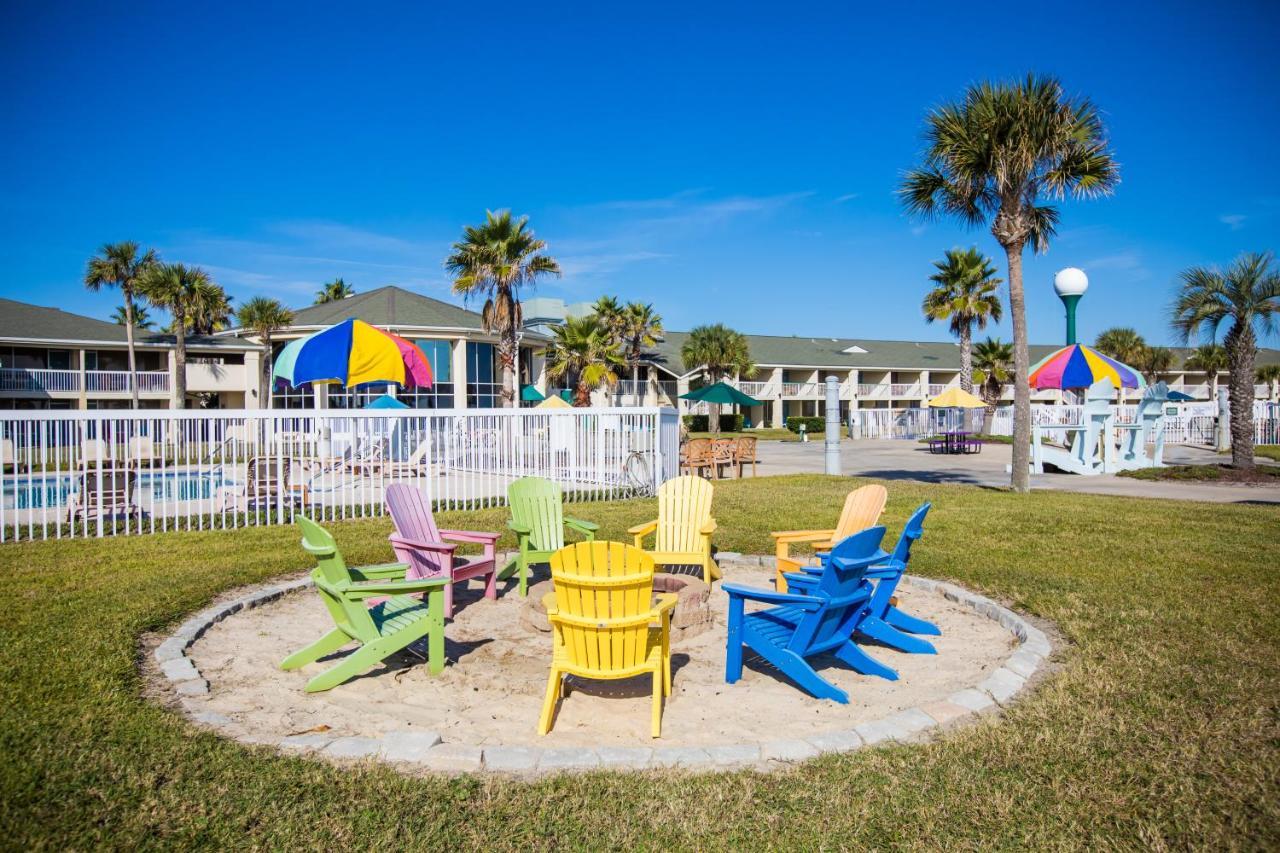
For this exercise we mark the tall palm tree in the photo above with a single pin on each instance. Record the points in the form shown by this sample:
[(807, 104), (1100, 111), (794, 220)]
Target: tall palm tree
[(584, 352), (1211, 359), (495, 260), (720, 352), (1246, 295), (175, 288), (1153, 361), (264, 317), (641, 327), (209, 308), (965, 295), (141, 317), (1121, 343), (1269, 375), (121, 265), (333, 291), (993, 369), (997, 156)]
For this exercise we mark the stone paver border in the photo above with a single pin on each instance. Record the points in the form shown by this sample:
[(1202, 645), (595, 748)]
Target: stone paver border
[(426, 749)]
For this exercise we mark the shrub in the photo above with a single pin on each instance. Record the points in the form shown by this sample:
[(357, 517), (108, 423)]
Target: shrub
[(702, 423), (812, 425)]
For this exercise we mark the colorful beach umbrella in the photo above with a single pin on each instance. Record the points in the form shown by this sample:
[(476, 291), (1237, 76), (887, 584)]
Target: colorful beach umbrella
[(353, 353), (553, 403), (530, 394), (1079, 366), (956, 398), (386, 401)]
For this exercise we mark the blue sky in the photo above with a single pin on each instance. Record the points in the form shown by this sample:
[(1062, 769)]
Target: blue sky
[(729, 163)]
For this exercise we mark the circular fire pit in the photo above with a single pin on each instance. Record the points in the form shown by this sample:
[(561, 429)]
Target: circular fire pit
[(691, 617)]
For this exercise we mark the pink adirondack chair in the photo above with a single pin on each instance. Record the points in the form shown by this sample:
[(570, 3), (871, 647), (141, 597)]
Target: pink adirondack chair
[(418, 542)]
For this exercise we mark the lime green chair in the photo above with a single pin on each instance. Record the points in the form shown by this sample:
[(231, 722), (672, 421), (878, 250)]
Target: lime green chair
[(381, 630), (537, 517)]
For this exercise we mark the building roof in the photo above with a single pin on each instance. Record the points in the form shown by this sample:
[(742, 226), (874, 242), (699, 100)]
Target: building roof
[(389, 306), (863, 353), (21, 321)]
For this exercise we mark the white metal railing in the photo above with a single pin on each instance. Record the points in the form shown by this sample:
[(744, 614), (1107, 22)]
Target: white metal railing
[(801, 389), (753, 389), (935, 389), (21, 379), (904, 390), (117, 381), (873, 391), (670, 389), (99, 473)]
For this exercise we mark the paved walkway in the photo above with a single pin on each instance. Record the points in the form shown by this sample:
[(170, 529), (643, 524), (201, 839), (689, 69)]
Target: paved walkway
[(909, 460)]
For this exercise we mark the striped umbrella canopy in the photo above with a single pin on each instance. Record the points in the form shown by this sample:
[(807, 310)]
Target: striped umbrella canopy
[(1079, 366), (353, 353)]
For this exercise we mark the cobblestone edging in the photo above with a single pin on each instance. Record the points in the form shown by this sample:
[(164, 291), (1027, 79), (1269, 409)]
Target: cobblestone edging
[(426, 750)]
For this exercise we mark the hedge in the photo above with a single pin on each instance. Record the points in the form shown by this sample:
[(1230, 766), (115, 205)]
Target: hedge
[(701, 423)]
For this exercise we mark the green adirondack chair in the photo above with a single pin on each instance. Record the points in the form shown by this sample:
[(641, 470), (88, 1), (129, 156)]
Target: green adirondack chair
[(537, 517), (381, 630)]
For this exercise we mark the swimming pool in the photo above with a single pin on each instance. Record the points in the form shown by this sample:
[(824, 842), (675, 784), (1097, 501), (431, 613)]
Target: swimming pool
[(42, 491)]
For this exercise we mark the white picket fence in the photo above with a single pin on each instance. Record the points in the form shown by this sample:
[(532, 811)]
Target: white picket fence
[(1195, 423), (107, 473)]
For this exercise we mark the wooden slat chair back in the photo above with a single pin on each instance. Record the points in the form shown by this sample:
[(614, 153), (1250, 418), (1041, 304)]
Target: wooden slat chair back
[(538, 519), (398, 619), (683, 527), (746, 453), (602, 613), (428, 549), (862, 509), (822, 619), (724, 453), (697, 455)]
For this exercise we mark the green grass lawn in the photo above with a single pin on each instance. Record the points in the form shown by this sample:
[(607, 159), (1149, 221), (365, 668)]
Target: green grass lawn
[(1267, 451), (1206, 473), (1159, 729)]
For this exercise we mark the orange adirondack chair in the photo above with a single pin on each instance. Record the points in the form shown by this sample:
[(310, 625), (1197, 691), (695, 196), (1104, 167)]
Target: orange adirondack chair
[(862, 509)]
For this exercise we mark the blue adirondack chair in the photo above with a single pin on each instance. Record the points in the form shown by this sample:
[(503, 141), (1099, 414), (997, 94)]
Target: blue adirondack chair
[(821, 618), (884, 622)]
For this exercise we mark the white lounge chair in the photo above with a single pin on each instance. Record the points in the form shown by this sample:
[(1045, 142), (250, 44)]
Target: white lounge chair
[(1147, 429), (1089, 448)]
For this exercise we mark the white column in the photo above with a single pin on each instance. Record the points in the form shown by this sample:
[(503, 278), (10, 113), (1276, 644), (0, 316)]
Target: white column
[(174, 402), (459, 368), (682, 388), (540, 371), (252, 376), (83, 402)]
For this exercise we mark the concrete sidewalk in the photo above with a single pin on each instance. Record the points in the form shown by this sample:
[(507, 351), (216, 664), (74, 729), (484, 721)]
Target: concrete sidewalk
[(909, 460)]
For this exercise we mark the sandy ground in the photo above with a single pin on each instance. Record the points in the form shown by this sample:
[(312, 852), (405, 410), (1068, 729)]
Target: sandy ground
[(492, 687)]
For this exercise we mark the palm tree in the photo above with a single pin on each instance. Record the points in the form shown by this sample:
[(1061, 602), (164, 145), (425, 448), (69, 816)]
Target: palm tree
[(264, 317), (993, 369), (122, 265), (1247, 296), (333, 291), (720, 352), (997, 156), (1269, 375), (641, 327), (175, 288), (141, 317), (583, 352), (209, 308), (1121, 343), (495, 260), (966, 296), (1153, 361), (1211, 359)]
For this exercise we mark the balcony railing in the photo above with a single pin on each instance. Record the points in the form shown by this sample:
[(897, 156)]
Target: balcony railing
[(753, 389), (904, 390), (117, 381), (873, 391), (20, 379), (936, 389)]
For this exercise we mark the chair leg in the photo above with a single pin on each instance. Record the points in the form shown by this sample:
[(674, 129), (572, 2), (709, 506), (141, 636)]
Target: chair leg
[(435, 633), (666, 653), (354, 664), (448, 600), (330, 642), (491, 584), (907, 622), (656, 721), (549, 701), (881, 632), (733, 650), (864, 663), (524, 575)]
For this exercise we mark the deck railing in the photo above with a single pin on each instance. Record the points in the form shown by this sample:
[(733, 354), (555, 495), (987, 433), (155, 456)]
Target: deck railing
[(22, 379), (97, 473)]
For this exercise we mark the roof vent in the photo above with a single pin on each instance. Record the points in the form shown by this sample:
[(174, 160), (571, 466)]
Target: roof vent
[(854, 350)]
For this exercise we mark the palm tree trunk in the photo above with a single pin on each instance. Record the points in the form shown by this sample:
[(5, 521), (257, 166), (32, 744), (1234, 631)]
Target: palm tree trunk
[(180, 356), (508, 351), (128, 334), (635, 382), (713, 418), (1020, 479), (966, 370), (264, 373), (1241, 343)]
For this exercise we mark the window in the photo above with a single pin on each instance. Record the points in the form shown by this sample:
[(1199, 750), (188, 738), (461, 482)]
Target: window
[(483, 376), (439, 355), (59, 359)]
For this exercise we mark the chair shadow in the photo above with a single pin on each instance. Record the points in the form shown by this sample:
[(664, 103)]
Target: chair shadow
[(624, 688), (757, 664), (415, 654)]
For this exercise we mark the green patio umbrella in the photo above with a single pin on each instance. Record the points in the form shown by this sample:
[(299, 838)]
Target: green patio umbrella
[(529, 394), (721, 394)]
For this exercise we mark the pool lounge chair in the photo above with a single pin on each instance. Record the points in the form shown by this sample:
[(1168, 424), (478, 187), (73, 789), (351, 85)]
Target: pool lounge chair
[(142, 451), (7, 458), (271, 481), (104, 493)]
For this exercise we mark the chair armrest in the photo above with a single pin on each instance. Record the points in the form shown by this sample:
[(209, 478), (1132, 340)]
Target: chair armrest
[(380, 571), (805, 580), (803, 535), (579, 524), (422, 545), (708, 528), (643, 529), (470, 536), (369, 590), (804, 601), (665, 604), (520, 529)]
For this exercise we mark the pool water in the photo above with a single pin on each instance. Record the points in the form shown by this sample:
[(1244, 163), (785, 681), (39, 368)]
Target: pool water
[(49, 490)]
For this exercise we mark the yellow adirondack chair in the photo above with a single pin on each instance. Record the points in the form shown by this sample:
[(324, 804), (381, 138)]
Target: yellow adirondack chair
[(684, 526), (862, 509), (602, 613)]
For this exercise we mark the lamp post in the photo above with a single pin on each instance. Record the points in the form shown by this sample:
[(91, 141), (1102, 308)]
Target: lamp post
[(1070, 284)]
